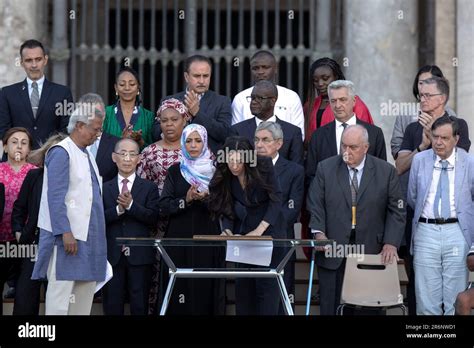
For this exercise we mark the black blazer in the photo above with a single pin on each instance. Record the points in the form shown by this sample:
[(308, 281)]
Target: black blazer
[(2, 200), (136, 222), (26, 207), (323, 145), (15, 110), (107, 168), (291, 178), (248, 213), (214, 114), (292, 148), (380, 216), (185, 220)]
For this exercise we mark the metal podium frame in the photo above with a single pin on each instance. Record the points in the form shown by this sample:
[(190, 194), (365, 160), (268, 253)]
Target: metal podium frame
[(176, 272)]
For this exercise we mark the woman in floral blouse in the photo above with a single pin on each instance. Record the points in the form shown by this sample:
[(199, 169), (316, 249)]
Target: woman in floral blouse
[(154, 163), (17, 143)]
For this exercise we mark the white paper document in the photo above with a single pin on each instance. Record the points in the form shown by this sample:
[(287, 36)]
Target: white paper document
[(108, 275), (249, 251)]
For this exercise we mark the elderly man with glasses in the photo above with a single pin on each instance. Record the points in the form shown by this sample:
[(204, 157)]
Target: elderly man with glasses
[(131, 210), (441, 193), (72, 248)]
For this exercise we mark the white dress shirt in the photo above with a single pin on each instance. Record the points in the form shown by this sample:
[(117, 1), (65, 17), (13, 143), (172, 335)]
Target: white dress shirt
[(40, 83), (360, 170), (287, 107), (271, 119), (275, 159), (428, 207), (130, 179), (340, 128)]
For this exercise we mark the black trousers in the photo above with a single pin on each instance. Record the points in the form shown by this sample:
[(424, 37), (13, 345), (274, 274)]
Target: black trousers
[(27, 294), (9, 268), (135, 280)]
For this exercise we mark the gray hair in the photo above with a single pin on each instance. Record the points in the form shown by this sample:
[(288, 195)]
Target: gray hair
[(342, 83), (362, 129), (86, 110), (442, 84), (273, 127)]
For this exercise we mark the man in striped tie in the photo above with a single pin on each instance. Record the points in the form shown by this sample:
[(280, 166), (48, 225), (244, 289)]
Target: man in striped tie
[(354, 200), (441, 191), (36, 103)]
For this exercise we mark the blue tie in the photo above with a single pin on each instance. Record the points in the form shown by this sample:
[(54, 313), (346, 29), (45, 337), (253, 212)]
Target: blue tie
[(442, 193)]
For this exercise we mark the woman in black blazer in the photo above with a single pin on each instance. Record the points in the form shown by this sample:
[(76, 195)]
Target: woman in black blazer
[(184, 201), (245, 194), (24, 226)]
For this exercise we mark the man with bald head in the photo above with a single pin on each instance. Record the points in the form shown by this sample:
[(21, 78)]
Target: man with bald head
[(131, 210), (264, 67), (262, 105), (354, 199)]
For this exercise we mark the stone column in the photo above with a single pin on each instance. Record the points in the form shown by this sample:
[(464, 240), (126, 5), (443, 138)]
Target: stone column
[(445, 44), (381, 55), (465, 62), (19, 21)]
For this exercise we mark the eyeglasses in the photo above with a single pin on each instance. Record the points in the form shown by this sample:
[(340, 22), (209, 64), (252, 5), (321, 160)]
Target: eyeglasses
[(125, 154), (264, 140), (95, 130), (257, 98), (428, 96)]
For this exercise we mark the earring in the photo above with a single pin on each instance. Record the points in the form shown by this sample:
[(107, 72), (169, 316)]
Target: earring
[(138, 93), (116, 94)]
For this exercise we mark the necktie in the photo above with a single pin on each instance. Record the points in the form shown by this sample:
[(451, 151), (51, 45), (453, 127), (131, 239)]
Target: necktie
[(34, 99), (124, 186), (354, 188), (442, 193), (340, 143)]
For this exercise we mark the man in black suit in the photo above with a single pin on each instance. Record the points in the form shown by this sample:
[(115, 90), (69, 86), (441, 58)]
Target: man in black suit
[(325, 141), (355, 200), (268, 140), (206, 107), (131, 210), (35, 103), (263, 98)]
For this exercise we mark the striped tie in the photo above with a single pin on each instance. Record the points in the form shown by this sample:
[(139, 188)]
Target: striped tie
[(34, 100)]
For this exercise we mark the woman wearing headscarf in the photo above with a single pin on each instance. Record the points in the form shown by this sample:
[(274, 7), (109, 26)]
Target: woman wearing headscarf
[(155, 160), (184, 200)]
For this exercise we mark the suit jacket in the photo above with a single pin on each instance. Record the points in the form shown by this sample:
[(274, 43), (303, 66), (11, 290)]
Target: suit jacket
[(292, 148), (323, 145), (26, 207), (15, 110), (214, 114), (248, 213), (136, 222), (107, 168), (2, 200), (421, 174), (291, 178), (380, 216)]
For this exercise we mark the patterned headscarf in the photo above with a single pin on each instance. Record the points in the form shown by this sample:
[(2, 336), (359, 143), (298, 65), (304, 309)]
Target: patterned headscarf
[(197, 171), (175, 104)]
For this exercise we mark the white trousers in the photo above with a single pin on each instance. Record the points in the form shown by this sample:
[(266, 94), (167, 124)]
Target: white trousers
[(67, 297)]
